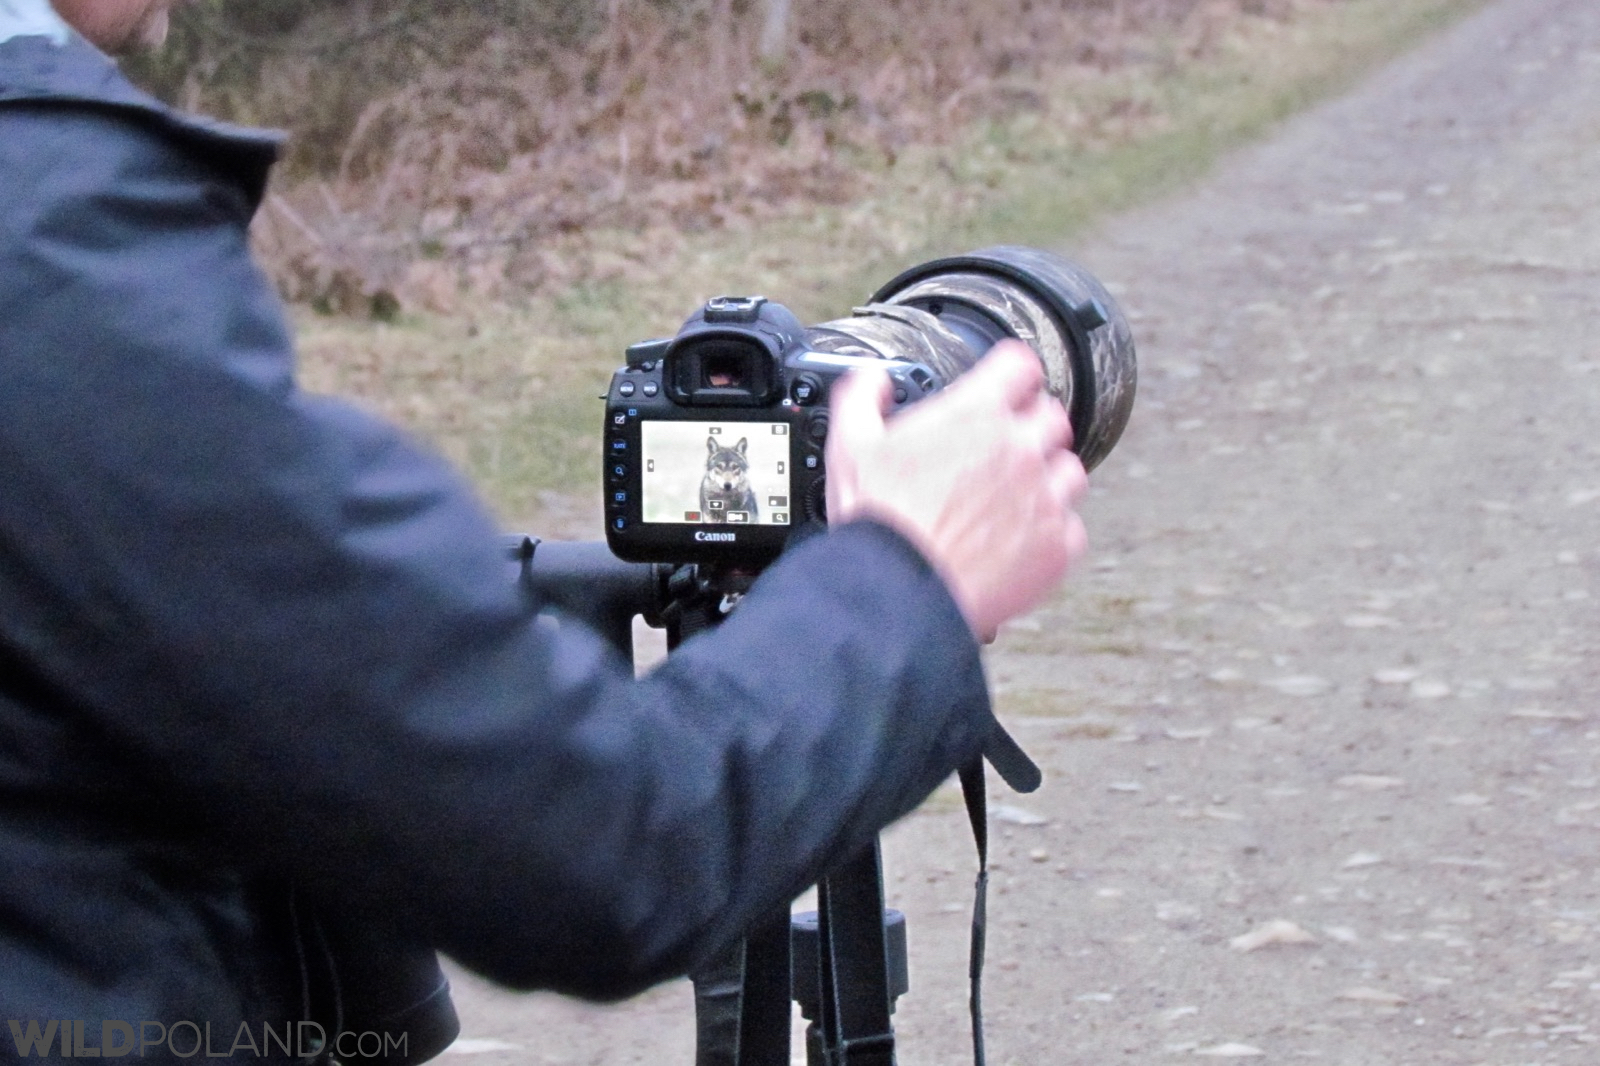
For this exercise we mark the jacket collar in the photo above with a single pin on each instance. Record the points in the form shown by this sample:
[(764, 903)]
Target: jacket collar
[(31, 18), (35, 68)]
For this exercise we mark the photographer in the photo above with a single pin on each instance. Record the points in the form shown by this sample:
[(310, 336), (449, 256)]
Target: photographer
[(268, 698)]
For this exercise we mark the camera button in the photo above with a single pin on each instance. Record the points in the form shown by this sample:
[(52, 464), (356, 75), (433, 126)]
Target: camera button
[(900, 394), (651, 388), (806, 390), (625, 389), (619, 471), (817, 428)]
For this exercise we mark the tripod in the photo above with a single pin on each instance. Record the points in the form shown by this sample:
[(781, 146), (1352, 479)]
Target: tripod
[(846, 963)]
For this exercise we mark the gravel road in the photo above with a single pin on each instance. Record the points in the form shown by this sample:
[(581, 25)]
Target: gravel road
[(1325, 689)]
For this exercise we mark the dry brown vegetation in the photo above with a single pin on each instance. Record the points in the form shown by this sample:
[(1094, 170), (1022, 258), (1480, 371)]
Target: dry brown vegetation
[(475, 149), (559, 190)]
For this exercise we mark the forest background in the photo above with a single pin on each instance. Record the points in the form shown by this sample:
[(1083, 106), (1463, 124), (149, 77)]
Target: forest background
[(483, 204)]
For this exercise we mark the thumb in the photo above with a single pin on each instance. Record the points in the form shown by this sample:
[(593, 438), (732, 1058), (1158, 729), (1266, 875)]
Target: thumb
[(856, 408)]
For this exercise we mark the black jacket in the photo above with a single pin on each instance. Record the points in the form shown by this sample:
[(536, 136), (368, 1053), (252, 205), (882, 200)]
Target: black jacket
[(252, 638)]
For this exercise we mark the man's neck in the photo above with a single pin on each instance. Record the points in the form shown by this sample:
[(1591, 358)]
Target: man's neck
[(31, 18)]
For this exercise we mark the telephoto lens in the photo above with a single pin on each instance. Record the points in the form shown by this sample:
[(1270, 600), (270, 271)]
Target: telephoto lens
[(948, 312), (715, 439)]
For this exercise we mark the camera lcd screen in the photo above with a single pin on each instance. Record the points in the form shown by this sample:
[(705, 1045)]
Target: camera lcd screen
[(733, 473)]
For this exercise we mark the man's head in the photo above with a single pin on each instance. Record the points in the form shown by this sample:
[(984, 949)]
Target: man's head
[(118, 25)]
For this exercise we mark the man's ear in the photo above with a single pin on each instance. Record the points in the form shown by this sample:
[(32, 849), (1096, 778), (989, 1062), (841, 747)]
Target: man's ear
[(118, 27), (154, 33)]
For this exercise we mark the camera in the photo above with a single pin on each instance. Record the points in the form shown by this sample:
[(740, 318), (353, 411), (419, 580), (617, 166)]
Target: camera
[(714, 438)]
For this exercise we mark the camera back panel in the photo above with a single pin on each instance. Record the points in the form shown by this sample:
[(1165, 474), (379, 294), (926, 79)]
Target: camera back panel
[(688, 482)]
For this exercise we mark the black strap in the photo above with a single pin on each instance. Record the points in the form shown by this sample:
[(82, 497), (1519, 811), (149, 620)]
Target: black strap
[(973, 791), (1013, 765), (1020, 772)]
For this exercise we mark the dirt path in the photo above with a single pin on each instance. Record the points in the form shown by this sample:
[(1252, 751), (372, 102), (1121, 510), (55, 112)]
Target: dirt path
[(1333, 663)]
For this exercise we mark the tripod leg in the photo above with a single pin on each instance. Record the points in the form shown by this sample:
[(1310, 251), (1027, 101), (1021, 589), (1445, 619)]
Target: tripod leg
[(765, 1017), (742, 1001), (718, 989), (853, 965)]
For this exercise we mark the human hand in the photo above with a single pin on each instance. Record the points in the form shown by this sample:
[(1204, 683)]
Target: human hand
[(979, 477)]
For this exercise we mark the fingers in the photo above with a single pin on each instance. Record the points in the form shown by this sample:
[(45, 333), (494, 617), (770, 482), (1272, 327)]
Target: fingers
[(1047, 423), (1006, 379), (1019, 373), (856, 410), (1077, 540), (1067, 479), (1011, 378), (1064, 488), (857, 405), (1002, 394), (979, 477)]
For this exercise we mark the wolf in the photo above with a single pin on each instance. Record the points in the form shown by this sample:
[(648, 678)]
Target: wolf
[(726, 485)]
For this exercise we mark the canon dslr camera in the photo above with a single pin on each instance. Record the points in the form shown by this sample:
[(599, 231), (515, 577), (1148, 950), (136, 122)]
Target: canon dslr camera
[(714, 438)]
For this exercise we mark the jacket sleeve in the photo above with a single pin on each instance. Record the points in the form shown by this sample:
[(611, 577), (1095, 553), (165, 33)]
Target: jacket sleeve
[(297, 628)]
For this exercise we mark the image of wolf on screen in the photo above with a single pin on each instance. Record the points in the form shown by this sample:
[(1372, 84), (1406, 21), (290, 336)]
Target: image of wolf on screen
[(726, 485)]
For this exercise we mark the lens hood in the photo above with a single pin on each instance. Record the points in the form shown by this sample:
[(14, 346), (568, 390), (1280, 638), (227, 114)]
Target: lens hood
[(1057, 307)]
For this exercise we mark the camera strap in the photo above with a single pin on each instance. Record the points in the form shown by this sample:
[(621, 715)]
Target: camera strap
[(1013, 765), (1022, 774), (973, 791)]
